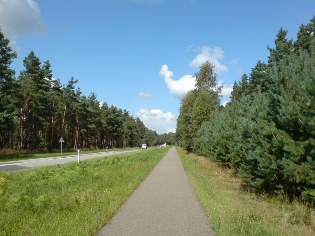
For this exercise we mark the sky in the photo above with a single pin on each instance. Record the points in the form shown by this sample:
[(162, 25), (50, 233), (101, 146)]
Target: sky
[(142, 55)]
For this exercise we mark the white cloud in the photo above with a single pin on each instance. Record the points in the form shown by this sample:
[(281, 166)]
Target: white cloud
[(172, 130), (155, 119), (20, 18), (212, 55), (145, 95), (180, 87), (225, 103), (177, 87), (225, 91), (235, 61)]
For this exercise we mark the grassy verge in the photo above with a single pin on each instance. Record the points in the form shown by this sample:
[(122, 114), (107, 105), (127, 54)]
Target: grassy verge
[(71, 199), (14, 156), (235, 212)]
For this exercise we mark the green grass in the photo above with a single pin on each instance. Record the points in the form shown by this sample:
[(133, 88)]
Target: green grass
[(10, 155), (71, 199), (232, 211)]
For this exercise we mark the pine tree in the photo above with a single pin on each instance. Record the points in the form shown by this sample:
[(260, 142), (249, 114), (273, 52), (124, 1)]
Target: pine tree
[(35, 88), (240, 88), (305, 36), (284, 47), (8, 109), (267, 132), (140, 129), (259, 80)]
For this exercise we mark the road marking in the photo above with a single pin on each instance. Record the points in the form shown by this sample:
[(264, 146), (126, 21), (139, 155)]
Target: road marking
[(11, 164), (51, 159)]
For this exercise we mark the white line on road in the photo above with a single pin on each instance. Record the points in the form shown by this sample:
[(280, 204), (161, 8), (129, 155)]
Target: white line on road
[(54, 159)]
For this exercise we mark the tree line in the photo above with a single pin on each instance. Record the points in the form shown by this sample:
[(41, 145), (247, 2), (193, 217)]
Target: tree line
[(266, 133), (37, 110)]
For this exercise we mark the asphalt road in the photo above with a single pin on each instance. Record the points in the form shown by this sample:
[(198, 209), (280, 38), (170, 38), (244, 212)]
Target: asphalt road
[(164, 204), (50, 161)]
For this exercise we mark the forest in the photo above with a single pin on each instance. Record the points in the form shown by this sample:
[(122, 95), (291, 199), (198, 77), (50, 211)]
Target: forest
[(266, 133), (36, 110)]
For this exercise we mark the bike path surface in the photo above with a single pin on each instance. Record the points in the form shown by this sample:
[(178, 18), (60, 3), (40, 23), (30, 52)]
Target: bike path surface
[(50, 161), (163, 204)]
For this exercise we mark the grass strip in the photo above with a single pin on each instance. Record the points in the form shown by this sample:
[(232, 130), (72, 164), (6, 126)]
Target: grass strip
[(232, 211), (71, 199)]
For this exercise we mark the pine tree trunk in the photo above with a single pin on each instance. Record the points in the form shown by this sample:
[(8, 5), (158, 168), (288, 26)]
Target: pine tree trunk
[(63, 117), (76, 139), (20, 135)]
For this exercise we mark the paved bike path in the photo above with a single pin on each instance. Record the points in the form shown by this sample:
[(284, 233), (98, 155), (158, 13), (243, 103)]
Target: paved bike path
[(164, 204)]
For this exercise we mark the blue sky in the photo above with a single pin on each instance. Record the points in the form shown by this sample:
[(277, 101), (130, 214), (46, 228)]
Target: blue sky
[(141, 55)]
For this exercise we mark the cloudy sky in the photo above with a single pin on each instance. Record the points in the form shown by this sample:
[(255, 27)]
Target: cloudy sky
[(142, 55)]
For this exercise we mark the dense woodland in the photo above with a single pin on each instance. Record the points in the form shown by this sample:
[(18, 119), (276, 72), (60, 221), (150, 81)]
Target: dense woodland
[(36, 110), (266, 133)]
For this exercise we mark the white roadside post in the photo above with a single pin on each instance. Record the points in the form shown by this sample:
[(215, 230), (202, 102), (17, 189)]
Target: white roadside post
[(61, 141), (78, 155)]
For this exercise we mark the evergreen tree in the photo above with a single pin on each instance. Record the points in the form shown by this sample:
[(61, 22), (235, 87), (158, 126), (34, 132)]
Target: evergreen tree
[(266, 133), (90, 120), (26, 103), (151, 137), (305, 36), (205, 103), (35, 89), (36, 111), (72, 116), (184, 131), (103, 126), (259, 80), (56, 105), (114, 123), (168, 138), (240, 88), (7, 94), (140, 129), (284, 47)]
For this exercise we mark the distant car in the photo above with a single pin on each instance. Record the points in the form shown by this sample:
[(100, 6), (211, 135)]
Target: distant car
[(144, 146)]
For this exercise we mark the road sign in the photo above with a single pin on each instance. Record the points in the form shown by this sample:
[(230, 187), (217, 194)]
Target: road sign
[(61, 141)]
